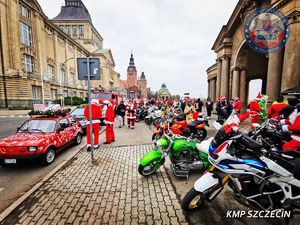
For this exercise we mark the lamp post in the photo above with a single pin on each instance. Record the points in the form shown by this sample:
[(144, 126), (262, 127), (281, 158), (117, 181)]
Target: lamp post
[(2, 65), (62, 80)]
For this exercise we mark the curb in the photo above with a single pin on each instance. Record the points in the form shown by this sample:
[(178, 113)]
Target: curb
[(14, 205)]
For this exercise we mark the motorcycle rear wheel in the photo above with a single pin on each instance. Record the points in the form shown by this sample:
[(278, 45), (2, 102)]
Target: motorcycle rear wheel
[(192, 200), (137, 119), (151, 168)]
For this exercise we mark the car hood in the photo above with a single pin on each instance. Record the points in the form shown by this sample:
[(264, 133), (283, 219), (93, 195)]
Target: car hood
[(26, 139)]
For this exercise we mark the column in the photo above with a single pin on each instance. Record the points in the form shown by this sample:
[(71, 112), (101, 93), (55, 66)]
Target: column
[(274, 74), (235, 82), (291, 65), (208, 92), (213, 87), (219, 75), (225, 76), (243, 91)]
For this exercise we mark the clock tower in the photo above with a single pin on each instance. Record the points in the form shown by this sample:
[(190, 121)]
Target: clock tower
[(131, 74)]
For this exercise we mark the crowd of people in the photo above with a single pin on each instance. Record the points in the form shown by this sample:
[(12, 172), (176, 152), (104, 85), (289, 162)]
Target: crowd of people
[(258, 112)]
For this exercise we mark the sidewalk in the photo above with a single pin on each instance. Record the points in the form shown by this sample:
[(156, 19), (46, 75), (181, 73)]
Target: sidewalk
[(111, 192)]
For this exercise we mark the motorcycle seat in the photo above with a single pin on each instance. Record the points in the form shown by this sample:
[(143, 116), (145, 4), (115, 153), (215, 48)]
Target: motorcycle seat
[(194, 123)]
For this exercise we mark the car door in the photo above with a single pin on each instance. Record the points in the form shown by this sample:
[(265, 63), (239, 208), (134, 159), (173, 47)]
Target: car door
[(63, 132), (73, 127)]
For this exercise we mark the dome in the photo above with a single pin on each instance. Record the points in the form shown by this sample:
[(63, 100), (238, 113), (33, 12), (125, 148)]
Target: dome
[(163, 85)]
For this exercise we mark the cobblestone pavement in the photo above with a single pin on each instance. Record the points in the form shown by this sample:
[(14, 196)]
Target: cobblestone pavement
[(111, 192)]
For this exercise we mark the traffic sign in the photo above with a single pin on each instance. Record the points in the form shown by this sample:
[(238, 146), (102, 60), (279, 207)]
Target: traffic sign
[(94, 68)]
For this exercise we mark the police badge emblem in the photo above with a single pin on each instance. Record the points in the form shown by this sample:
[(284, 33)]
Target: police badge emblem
[(266, 30)]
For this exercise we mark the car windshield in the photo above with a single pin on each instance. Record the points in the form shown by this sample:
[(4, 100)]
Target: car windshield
[(102, 95), (45, 126), (78, 112)]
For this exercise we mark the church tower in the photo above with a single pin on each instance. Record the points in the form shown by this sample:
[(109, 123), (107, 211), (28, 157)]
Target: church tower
[(142, 86), (131, 74)]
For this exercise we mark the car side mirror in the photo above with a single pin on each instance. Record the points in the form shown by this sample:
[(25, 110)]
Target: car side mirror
[(60, 129), (18, 128)]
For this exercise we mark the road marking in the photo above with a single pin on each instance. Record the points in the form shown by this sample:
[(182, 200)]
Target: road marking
[(2, 189)]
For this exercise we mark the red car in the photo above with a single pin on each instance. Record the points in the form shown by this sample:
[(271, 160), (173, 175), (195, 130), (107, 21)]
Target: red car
[(40, 137)]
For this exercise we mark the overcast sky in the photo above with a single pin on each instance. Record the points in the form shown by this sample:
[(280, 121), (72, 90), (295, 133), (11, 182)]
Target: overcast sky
[(171, 39)]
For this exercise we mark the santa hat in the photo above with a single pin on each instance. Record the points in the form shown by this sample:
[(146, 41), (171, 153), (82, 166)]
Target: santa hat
[(95, 101), (258, 97), (107, 102)]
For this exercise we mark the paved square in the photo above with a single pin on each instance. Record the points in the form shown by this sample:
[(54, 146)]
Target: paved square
[(111, 192)]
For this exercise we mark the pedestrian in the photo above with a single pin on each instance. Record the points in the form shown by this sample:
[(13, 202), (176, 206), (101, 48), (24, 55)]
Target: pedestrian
[(96, 115), (209, 107), (188, 111), (131, 114), (182, 105), (274, 110), (109, 122), (222, 109), (121, 109), (199, 104)]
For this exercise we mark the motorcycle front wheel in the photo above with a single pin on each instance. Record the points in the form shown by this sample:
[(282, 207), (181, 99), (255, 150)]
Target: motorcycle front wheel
[(156, 137), (137, 119), (192, 200), (156, 121), (151, 168), (200, 134)]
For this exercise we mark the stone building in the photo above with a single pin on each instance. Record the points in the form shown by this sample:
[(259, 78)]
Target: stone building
[(38, 55), (164, 92), (237, 64), (136, 88)]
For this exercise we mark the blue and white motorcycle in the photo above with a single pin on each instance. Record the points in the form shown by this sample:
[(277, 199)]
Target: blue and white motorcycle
[(259, 175)]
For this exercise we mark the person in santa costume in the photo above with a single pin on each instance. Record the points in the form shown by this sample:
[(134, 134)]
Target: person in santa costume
[(109, 122), (96, 115), (131, 114), (255, 109), (275, 108), (237, 105), (292, 125)]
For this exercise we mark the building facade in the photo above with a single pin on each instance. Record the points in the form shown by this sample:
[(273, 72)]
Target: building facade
[(237, 64), (38, 55), (164, 92)]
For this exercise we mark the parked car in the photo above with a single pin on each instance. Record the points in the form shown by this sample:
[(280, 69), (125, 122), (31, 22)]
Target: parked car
[(40, 137), (78, 114)]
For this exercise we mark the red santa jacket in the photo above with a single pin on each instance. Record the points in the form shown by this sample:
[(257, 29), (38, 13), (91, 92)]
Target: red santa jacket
[(131, 111), (293, 125), (110, 115), (96, 113), (237, 105), (274, 110), (254, 108)]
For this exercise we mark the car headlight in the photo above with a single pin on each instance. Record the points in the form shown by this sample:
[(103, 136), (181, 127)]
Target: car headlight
[(32, 149)]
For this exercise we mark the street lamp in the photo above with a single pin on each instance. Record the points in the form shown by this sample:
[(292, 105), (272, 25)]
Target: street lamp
[(62, 80)]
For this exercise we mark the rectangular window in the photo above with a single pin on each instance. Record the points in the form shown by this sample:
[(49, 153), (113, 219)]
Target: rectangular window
[(72, 75), (50, 71), (36, 92), (81, 31), (65, 94), (26, 34), (54, 94), (25, 12), (28, 63), (74, 31), (68, 29), (62, 77), (62, 27)]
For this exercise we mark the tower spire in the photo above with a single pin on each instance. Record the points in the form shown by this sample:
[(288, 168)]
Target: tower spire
[(131, 63)]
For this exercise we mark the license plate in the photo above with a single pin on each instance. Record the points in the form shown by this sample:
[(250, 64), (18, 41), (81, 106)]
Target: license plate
[(10, 161)]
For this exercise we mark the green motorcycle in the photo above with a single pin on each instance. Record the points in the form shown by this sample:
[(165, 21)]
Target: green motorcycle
[(184, 154)]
